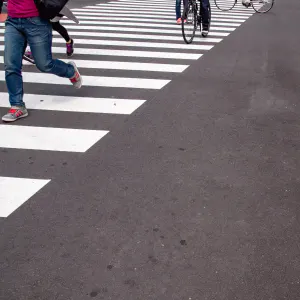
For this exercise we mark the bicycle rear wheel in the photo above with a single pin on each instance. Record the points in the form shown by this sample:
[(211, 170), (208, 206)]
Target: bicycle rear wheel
[(225, 5), (189, 22), (262, 6)]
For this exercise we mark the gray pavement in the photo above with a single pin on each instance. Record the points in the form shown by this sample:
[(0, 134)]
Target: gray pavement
[(195, 195)]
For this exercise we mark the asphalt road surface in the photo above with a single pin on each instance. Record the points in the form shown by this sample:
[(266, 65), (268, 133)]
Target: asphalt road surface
[(172, 174)]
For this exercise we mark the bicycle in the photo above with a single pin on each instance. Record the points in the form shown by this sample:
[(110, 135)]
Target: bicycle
[(191, 19), (260, 6)]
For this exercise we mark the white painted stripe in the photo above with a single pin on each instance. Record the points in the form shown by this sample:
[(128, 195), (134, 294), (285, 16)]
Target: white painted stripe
[(162, 9), (95, 16), (130, 66), (161, 3), (108, 11), (151, 3), (48, 138), (143, 15), (175, 31), (158, 2), (77, 104), (140, 1), (121, 82), (159, 7), (15, 191), (153, 21), (137, 44), (134, 44), (164, 12), (136, 36), (132, 29), (167, 6), (221, 28), (127, 53)]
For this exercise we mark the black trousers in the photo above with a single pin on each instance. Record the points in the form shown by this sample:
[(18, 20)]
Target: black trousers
[(205, 12), (61, 30)]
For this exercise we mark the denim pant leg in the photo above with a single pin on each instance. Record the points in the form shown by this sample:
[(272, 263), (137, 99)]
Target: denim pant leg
[(205, 12), (178, 9), (15, 44), (39, 35)]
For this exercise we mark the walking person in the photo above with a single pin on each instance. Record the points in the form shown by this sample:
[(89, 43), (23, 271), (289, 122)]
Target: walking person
[(24, 25)]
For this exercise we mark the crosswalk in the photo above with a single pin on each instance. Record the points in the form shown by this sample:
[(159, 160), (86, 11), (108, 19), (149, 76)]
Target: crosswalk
[(124, 49)]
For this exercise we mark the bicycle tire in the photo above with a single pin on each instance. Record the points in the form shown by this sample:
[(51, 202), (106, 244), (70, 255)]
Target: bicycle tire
[(259, 10), (189, 11), (225, 6)]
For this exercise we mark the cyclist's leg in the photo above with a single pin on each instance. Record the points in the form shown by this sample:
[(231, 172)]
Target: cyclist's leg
[(178, 9), (205, 12), (205, 6)]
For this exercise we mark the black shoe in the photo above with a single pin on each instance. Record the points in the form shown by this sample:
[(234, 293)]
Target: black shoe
[(205, 30)]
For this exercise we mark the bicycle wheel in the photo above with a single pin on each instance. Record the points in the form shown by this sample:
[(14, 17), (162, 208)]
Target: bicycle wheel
[(262, 6), (225, 5), (189, 22)]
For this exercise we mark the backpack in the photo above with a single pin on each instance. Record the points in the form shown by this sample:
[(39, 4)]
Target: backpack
[(48, 9)]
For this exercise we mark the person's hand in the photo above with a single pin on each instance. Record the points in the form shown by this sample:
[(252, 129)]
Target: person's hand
[(3, 17)]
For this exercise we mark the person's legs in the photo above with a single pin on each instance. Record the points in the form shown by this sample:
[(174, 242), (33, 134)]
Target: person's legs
[(39, 35), (15, 44)]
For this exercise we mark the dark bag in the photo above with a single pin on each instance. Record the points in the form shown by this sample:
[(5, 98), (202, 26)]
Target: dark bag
[(49, 9)]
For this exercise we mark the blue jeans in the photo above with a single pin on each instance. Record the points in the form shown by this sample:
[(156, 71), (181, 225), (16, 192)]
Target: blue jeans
[(178, 9), (37, 33)]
